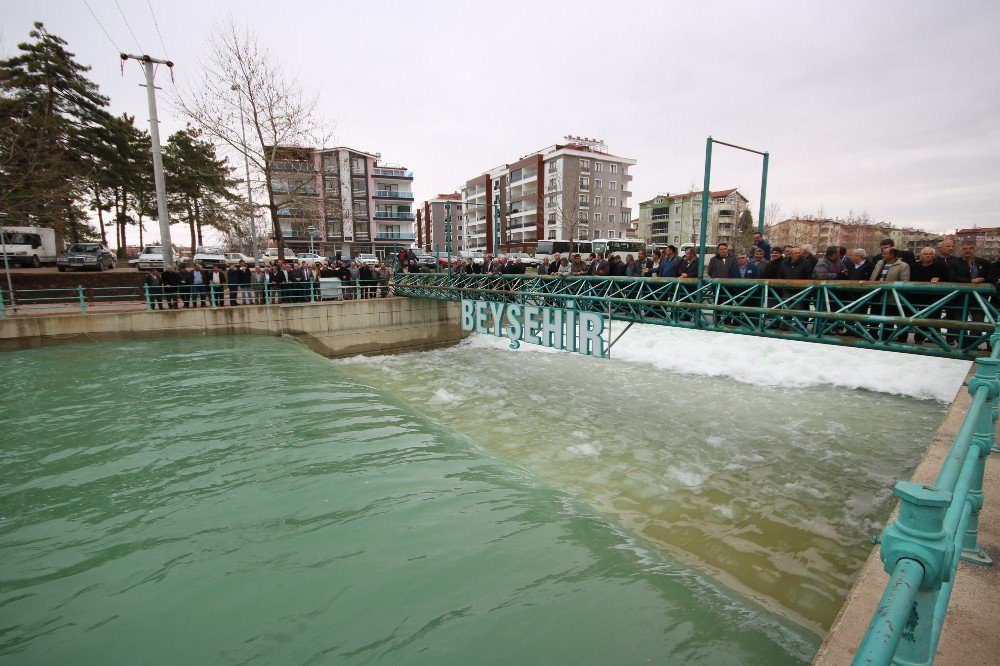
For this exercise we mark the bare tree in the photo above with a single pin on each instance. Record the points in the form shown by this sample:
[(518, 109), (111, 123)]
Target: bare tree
[(772, 214), (571, 204), (241, 76)]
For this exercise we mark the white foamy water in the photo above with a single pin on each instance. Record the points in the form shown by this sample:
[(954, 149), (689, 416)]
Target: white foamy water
[(755, 460), (771, 362)]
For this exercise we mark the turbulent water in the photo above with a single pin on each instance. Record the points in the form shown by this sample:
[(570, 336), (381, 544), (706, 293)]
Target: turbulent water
[(757, 461), (241, 499)]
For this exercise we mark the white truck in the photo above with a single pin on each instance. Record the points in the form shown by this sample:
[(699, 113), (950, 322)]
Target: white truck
[(270, 256), (29, 246)]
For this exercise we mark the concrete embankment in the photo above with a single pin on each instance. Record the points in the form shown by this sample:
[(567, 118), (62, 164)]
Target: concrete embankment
[(333, 329), (969, 635)]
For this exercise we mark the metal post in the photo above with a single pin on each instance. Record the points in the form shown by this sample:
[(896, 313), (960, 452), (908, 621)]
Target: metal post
[(705, 197), (6, 262), (983, 438), (447, 234), (149, 302), (83, 299), (154, 135), (211, 293), (763, 194), (246, 165)]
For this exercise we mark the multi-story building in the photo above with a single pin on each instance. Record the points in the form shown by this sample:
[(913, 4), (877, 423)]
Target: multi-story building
[(823, 232), (342, 200), (675, 219), (571, 191), (987, 240), (431, 219)]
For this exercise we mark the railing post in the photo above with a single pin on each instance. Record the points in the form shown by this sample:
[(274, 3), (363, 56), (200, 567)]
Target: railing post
[(995, 349), (3, 305), (267, 293), (211, 293), (149, 303), (83, 299), (987, 378), (918, 534)]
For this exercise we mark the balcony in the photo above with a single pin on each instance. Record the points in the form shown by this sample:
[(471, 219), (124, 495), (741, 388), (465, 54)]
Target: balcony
[(393, 235), (392, 173), (392, 194), (392, 215)]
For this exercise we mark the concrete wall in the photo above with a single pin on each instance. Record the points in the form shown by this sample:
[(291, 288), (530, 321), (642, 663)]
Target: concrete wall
[(333, 329)]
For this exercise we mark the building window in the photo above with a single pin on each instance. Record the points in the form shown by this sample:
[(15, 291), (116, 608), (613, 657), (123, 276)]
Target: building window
[(597, 233), (583, 234), (658, 200), (585, 183), (613, 185), (597, 200), (677, 239), (552, 234), (627, 217), (597, 218), (584, 200), (612, 233), (597, 184), (598, 166), (613, 168), (677, 210), (553, 166), (612, 202), (584, 164), (584, 217), (611, 218)]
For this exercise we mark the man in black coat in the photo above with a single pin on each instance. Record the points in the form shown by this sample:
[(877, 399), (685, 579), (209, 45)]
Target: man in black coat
[(154, 289), (171, 282), (234, 278), (772, 271), (687, 267), (858, 266)]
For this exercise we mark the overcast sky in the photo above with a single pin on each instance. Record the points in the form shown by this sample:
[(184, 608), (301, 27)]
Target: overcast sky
[(889, 107)]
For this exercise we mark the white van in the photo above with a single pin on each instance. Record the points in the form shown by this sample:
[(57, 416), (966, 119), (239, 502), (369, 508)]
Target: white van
[(29, 246)]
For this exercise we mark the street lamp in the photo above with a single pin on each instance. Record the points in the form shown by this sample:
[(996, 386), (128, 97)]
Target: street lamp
[(312, 234), (246, 163)]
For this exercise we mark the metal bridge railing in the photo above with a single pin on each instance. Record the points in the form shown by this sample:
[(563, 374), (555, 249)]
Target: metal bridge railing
[(84, 300), (937, 526), (932, 319)]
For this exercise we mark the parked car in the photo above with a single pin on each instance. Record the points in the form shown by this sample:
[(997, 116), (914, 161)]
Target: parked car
[(234, 258), (477, 257), (425, 258), (367, 258), (526, 259), (270, 256), (209, 257), (29, 246), (86, 256), (308, 257)]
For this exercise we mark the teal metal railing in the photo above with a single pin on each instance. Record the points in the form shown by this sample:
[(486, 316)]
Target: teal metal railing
[(936, 527), (83, 300), (931, 319)]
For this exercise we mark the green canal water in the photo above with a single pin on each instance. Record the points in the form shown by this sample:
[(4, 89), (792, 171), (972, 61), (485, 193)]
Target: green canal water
[(229, 500), (242, 499)]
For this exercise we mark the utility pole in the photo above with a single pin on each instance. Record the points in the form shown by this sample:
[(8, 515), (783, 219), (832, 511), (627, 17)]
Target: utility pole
[(447, 234), (246, 164), (154, 135)]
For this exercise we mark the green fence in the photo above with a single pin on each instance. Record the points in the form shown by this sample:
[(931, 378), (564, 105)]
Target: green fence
[(932, 319), (937, 526), (83, 300)]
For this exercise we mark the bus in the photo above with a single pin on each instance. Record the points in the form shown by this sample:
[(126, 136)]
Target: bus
[(618, 246), (547, 248), (709, 249)]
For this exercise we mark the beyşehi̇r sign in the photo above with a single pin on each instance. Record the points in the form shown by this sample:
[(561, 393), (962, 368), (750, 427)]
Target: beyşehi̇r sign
[(559, 328)]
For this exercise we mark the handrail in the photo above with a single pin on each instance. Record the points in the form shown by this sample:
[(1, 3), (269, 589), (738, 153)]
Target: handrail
[(936, 527), (945, 319)]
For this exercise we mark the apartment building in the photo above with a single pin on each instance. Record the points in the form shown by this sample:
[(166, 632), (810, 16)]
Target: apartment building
[(823, 232), (342, 200), (431, 219), (987, 240), (675, 219), (575, 190)]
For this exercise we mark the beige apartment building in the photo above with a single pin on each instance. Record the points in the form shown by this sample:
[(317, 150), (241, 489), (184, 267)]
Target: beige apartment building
[(823, 232), (675, 219), (431, 219), (987, 240), (342, 200), (571, 191)]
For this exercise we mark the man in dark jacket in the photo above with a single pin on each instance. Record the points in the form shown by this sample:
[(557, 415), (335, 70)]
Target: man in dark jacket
[(234, 278), (773, 268), (554, 264), (618, 267), (171, 283), (687, 267), (154, 288), (759, 242), (908, 257), (969, 268), (795, 266), (858, 266), (668, 262), (721, 265)]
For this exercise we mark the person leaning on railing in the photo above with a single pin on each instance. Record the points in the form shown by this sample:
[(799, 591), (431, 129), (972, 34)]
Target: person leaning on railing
[(153, 284), (171, 280)]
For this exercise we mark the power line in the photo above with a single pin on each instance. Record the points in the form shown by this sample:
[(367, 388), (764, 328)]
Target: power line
[(128, 26), (157, 25), (102, 27)]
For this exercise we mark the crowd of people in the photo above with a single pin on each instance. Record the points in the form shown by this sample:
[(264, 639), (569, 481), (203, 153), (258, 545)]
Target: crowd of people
[(282, 282), (762, 261)]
